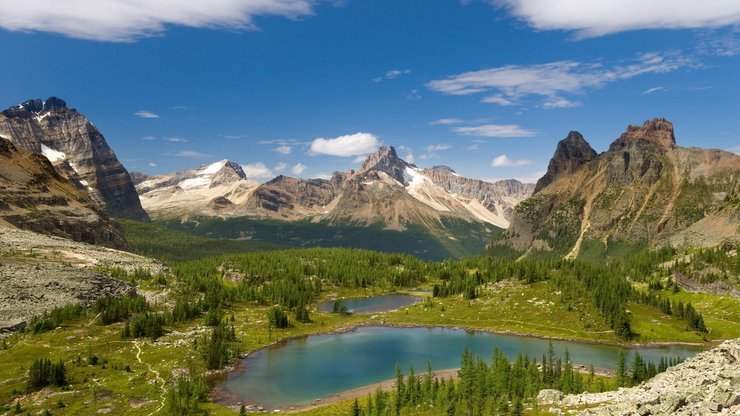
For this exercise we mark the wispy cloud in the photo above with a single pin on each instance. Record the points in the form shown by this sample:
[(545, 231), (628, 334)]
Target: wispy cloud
[(392, 74), (345, 146), (652, 90), (508, 85), (146, 114), (413, 95), (257, 170), (280, 167), (590, 18), (152, 165), (298, 168), (283, 149), (149, 138), (432, 151), (192, 153), (447, 121), (495, 130), (126, 20), (504, 161), (175, 139)]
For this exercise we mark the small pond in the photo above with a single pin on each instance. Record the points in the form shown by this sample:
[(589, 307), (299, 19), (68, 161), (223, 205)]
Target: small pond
[(373, 304)]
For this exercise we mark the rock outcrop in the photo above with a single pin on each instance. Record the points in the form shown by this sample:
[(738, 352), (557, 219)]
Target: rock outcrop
[(76, 149), (645, 189), (708, 383), (40, 272), (570, 154), (34, 196)]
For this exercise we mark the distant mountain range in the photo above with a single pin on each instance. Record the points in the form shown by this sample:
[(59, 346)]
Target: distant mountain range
[(385, 190), (645, 189)]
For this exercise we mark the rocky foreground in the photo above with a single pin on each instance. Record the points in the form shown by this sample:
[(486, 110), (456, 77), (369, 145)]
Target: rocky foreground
[(40, 272), (708, 383)]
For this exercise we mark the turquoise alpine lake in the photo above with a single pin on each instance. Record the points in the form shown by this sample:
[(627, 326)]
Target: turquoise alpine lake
[(304, 369), (373, 304)]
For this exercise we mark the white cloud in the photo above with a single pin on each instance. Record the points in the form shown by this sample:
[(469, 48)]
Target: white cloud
[(504, 161), (409, 158), (360, 159), (590, 18), (283, 149), (280, 166), (735, 150), (146, 114), (473, 147), (191, 153), (152, 165), (324, 175), (345, 146), (436, 147), (508, 85), (413, 95), (392, 74), (257, 170), (298, 168), (652, 90), (495, 130), (498, 99), (149, 138), (447, 121), (175, 139), (127, 20)]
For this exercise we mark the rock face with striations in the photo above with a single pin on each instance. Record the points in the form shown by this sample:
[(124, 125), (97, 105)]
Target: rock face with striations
[(77, 149), (570, 154)]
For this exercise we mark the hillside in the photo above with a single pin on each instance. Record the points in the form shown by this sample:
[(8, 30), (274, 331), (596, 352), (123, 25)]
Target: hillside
[(645, 189), (34, 196)]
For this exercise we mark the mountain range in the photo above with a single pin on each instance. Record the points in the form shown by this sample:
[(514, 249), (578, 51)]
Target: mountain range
[(60, 176), (385, 190)]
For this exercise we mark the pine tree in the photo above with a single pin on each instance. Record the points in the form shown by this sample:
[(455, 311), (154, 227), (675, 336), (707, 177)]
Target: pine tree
[(620, 373)]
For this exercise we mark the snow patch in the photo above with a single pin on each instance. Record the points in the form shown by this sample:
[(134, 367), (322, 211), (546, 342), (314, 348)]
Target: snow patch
[(194, 183), (85, 184), (39, 118), (213, 168), (51, 154)]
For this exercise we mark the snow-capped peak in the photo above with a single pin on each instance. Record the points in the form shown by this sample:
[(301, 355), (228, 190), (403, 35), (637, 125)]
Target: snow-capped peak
[(213, 167)]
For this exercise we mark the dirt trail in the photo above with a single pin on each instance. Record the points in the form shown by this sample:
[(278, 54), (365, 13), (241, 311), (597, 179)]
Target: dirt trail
[(160, 380)]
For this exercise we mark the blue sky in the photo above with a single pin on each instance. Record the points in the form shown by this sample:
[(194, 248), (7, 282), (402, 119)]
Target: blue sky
[(304, 88)]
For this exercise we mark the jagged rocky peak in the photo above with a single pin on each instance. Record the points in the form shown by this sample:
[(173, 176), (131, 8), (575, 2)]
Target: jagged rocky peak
[(443, 169), (570, 154), (36, 106), (77, 149), (657, 131), (224, 171), (386, 160)]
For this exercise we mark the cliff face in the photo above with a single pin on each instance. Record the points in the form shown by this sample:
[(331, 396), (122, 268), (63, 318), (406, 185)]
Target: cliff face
[(76, 149), (34, 196), (645, 188)]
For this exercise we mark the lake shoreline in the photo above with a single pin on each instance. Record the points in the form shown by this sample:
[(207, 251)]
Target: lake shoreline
[(220, 396)]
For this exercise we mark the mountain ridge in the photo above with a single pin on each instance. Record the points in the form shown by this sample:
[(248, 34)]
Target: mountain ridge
[(645, 188)]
